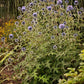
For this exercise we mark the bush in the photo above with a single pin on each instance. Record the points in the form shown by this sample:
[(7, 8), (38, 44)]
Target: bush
[(46, 45), (75, 76)]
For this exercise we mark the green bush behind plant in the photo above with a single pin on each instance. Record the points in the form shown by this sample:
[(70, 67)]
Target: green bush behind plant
[(75, 76)]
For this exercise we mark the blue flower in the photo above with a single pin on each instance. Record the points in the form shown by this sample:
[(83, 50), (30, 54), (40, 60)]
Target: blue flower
[(63, 34), (23, 48), (16, 23), (24, 32), (23, 23), (23, 8), (16, 40), (69, 7), (30, 28), (79, 12), (52, 37), (39, 33), (19, 8), (61, 13), (67, 27), (59, 2), (67, 1), (65, 22), (31, 4), (75, 2), (35, 14), (49, 8), (75, 35), (54, 47), (55, 27), (3, 39), (61, 26), (11, 36)]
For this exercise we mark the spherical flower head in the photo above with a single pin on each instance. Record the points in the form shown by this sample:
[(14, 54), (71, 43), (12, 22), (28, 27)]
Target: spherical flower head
[(23, 48), (16, 40), (39, 33), (41, 0), (55, 27), (16, 23), (52, 37), (11, 36), (23, 23), (23, 8), (65, 22), (35, 14), (61, 14), (79, 12), (61, 26), (3, 39), (75, 2), (59, 2), (19, 8), (63, 34), (31, 4), (49, 8), (30, 28), (54, 47), (69, 7), (67, 1), (75, 35)]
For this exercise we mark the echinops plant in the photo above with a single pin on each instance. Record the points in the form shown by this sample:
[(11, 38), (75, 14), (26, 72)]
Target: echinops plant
[(47, 41)]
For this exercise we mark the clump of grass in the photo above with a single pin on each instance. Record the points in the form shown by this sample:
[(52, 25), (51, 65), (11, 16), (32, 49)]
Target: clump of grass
[(46, 45)]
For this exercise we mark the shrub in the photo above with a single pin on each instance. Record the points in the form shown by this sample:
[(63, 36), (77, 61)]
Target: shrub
[(75, 76), (47, 42)]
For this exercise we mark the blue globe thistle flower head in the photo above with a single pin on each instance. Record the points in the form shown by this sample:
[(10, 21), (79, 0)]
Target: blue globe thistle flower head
[(62, 26), (16, 23), (35, 14), (19, 8), (39, 33), (61, 14), (52, 37), (62, 6), (43, 8), (30, 28), (43, 13), (23, 48), (9, 60), (76, 2), (55, 11), (24, 32), (23, 23), (3, 39), (65, 22), (54, 47), (41, 0), (63, 34), (16, 40), (23, 8), (69, 8), (49, 8), (55, 27), (67, 27), (67, 1), (11, 36), (79, 12), (59, 2), (19, 17), (35, 1), (75, 35), (31, 4)]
